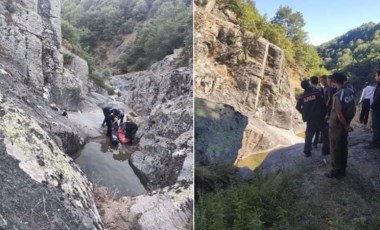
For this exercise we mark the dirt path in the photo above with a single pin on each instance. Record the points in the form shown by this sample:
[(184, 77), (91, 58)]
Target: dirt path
[(350, 203)]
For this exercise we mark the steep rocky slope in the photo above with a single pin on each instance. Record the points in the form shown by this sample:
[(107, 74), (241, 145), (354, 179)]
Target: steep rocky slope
[(41, 186), (247, 73), (162, 97)]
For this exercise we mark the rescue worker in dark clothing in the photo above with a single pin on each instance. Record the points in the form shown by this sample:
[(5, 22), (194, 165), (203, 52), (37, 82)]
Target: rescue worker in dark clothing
[(375, 113), (130, 129), (328, 91), (106, 112), (312, 108), (325, 128), (315, 83), (342, 113), (120, 114), (110, 115)]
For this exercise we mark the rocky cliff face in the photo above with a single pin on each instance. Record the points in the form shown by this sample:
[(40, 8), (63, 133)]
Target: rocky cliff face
[(41, 187), (162, 96), (247, 73), (30, 50)]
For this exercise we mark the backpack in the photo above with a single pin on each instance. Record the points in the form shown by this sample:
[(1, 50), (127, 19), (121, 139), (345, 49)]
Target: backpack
[(347, 98), (113, 138), (130, 128)]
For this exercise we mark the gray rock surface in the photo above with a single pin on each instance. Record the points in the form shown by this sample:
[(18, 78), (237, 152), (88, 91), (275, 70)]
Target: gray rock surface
[(162, 97), (168, 209), (37, 177), (41, 187), (247, 73), (143, 91), (30, 50), (218, 132)]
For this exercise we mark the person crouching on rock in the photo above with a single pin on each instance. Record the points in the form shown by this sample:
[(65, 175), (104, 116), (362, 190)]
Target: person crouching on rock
[(120, 114), (111, 121), (130, 129), (312, 108), (342, 112)]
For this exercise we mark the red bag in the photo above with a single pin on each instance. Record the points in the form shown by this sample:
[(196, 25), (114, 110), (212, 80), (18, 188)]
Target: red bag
[(122, 137)]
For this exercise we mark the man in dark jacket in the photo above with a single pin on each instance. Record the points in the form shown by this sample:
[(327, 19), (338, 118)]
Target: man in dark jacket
[(342, 112), (106, 112), (312, 108), (375, 110), (119, 113), (315, 83)]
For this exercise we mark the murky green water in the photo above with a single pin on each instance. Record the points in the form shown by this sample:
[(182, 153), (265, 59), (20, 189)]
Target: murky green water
[(252, 162), (108, 166)]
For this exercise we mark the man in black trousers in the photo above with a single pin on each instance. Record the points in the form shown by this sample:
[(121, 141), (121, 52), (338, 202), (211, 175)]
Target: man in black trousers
[(375, 110), (312, 108), (365, 101)]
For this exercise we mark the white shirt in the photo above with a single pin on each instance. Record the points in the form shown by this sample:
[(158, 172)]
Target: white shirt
[(367, 93)]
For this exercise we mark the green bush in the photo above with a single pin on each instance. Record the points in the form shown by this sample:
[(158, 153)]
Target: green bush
[(95, 77), (262, 203), (67, 59)]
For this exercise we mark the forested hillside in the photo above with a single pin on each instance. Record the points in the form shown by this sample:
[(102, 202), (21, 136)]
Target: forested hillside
[(140, 32), (357, 52), (284, 30)]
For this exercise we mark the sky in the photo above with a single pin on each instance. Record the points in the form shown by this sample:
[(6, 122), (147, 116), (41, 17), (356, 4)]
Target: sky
[(326, 19)]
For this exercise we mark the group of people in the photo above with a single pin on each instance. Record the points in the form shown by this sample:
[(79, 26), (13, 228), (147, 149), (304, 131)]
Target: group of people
[(328, 111), (118, 130)]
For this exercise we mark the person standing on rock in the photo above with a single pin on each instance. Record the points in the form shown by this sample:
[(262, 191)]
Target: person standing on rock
[(106, 112), (312, 108), (375, 114), (342, 112), (325, 129), (365, 99)]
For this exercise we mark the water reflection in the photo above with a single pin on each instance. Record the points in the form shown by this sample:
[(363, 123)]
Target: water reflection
[(108, 166)]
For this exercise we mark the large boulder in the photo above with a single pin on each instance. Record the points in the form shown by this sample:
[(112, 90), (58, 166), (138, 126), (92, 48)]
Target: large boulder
[(41, 185), (218, 132)]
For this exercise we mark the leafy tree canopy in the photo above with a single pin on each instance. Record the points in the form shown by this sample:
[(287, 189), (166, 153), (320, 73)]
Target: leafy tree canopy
[(357, 53)]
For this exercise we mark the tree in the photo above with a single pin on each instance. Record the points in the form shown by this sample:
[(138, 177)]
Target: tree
[(292, 22)]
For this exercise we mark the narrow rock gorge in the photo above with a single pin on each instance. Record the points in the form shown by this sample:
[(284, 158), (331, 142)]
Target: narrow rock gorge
[(41, 185), (246, 73)]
